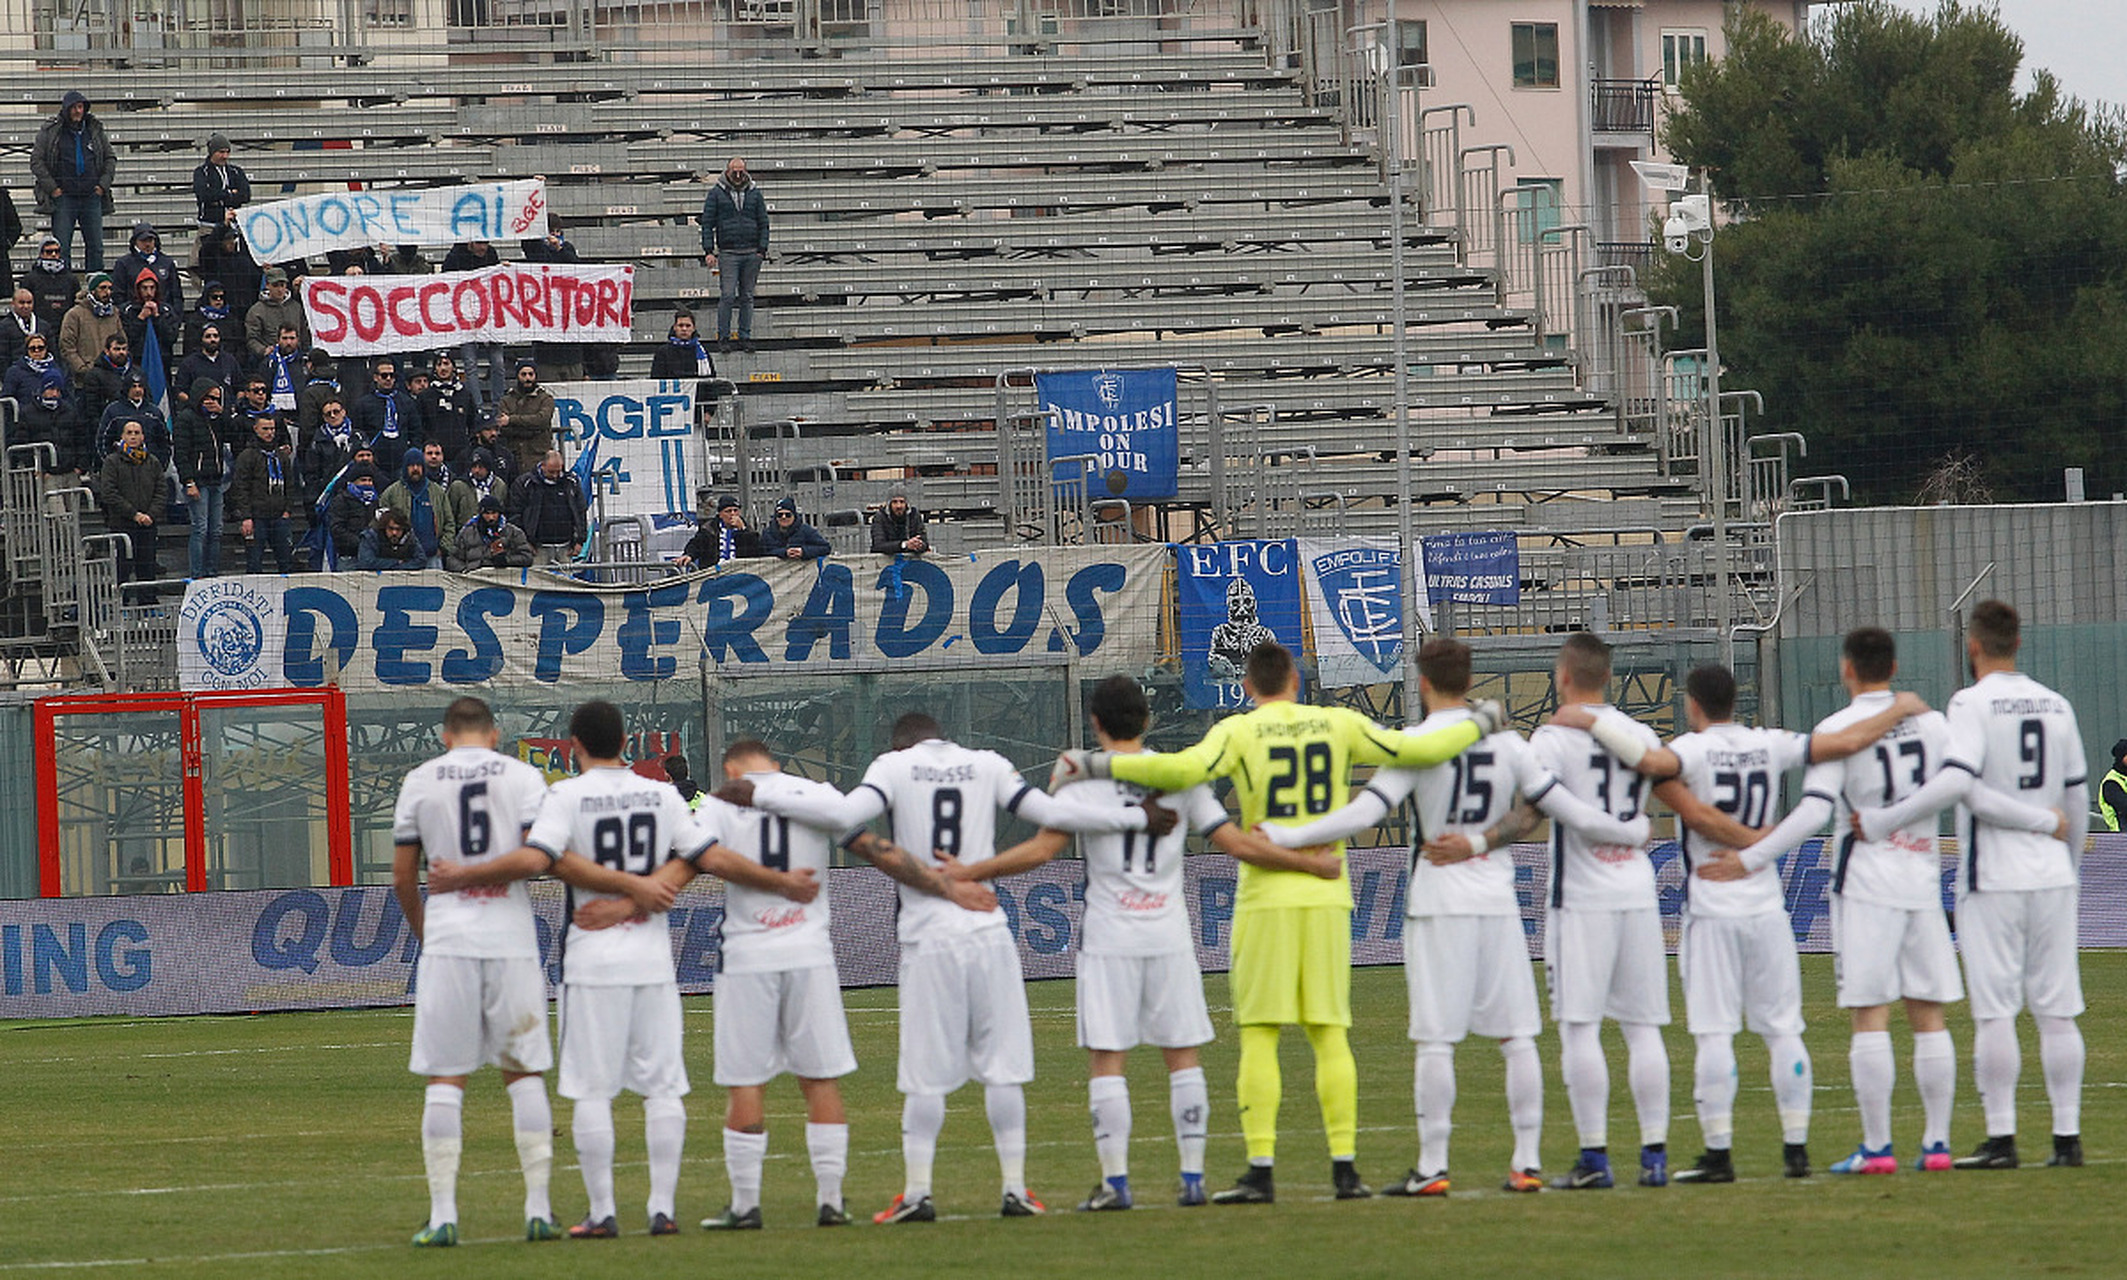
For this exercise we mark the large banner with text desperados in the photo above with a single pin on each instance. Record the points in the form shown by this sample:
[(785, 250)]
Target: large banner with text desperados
[(520, 628)]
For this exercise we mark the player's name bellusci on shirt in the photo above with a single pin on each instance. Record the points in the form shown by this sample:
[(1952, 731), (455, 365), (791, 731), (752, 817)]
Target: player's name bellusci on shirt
[(471, 804)]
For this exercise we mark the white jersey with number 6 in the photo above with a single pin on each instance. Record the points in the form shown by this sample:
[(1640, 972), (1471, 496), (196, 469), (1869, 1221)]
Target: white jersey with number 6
[(1584, 873), (1737, 770), (621, 820), (1134, 903), (2016, 736), (764, 931), (471, 804)]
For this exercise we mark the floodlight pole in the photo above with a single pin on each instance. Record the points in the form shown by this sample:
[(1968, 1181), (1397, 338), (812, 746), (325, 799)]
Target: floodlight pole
[(1389, 127), (1716, 452)]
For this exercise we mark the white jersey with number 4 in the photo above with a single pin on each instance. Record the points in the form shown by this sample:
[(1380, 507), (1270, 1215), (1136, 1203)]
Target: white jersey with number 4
[(1134, 891), (1737, 770), (2019, 737), (764, 931), (471, 804), (1465, 796), (619, 819), (1586, 874)]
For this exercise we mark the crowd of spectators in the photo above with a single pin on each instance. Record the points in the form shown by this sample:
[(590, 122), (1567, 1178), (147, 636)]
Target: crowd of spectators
[(192, 387)]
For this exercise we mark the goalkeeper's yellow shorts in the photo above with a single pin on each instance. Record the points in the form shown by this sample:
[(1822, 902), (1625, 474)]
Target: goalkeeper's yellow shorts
[(1292, 965)]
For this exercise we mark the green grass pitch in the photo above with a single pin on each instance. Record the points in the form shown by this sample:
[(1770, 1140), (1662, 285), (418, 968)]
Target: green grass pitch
[(288, 1145)]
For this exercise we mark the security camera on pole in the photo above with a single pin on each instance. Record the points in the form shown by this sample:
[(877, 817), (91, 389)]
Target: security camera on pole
[(1688, 230)]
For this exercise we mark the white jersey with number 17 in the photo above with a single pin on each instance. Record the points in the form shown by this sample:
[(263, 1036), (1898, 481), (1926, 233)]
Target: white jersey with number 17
[(1134, 886), (470, 805)]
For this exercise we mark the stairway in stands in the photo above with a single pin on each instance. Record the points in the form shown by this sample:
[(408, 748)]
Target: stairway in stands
[(939, 221)]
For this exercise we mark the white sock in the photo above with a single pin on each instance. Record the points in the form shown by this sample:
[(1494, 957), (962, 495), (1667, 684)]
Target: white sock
[(828, 1145), (441, 1142), (922, 1116), (1996, 1062), (1713, 1089), (1650, 1080), (665, 1137), (1007, 1107), (1189, 1102), (1433, 1091), (532, 1120), (743, 1154), (1875, 1073), (1525, 1099), (592, 1127), (2061, 1053), (1793, 1081), (1110, 1099), (1581, 1062), (1935, 1075)]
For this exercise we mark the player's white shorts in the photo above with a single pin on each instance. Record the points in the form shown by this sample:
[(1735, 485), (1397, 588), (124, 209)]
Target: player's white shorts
[(1469, 973), (775, 1021), (470, 1012), (964, 1014), (2019, 949), (1740, 970), (1126, 1001), (1607, 964), (1886, 954), (615, 1038)]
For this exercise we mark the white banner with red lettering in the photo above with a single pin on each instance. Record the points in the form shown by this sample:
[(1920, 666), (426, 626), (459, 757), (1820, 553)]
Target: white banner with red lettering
[(514, 303)]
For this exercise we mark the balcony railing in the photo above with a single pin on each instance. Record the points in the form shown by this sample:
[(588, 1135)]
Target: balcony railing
[(1623, 106)]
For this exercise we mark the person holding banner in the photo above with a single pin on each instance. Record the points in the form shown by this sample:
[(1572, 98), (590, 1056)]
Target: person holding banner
[(478, 255)]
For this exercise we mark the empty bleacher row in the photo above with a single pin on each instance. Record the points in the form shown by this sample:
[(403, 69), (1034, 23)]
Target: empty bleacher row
[(940, 220)]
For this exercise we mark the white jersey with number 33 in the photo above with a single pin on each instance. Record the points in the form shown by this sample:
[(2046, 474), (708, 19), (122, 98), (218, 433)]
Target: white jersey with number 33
[(469, 805), (621, 820), (1584, 873)]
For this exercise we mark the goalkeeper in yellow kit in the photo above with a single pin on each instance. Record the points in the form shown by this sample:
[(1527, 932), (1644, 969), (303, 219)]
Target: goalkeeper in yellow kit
[(1292, 941)]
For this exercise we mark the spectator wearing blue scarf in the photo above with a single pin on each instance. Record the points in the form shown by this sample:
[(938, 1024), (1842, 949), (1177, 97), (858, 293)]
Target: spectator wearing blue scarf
[(433, 512)]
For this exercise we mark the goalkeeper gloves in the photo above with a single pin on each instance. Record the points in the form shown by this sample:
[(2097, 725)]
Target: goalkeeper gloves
[(1077, 765)]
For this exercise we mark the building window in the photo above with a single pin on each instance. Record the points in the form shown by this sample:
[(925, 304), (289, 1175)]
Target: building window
[(1536, 55), (1410, 44), (1681, 47)]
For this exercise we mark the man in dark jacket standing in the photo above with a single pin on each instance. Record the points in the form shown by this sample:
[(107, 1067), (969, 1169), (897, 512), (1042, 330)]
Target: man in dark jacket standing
[(203, 465), (353, 509), (897, 528), (262, 497), (219, 188), (488, 541), (789, 538), (552, 511), (387, 419), (131, 489), (448, 409), (734, 244), (74, 165)]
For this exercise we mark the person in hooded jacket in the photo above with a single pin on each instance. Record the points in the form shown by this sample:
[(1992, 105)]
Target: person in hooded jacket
[(51, 282), (482, 363), (222, 256), (556, 361), (74, 165), (147, 254), (51, 418), (477, 473), (204, 461), (213, 308), (148, 309), (133, 405), (219, 188), (353, 509), (88, 324)]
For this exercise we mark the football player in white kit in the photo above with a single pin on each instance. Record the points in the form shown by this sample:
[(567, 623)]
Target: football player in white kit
[(2016, 889), (1737, 949), (1466, 958), (1138, 981), (1889, 933), (778, 995), (620, 1012), (963, 1006), (481, 996)]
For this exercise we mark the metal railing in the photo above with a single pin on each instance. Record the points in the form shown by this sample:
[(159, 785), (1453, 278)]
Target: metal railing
[(1623, 106)]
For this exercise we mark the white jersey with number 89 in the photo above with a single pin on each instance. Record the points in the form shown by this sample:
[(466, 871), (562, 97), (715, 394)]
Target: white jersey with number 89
[(624, 821)]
